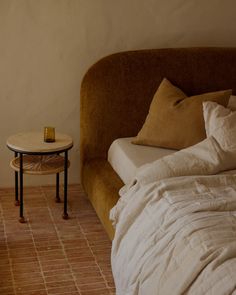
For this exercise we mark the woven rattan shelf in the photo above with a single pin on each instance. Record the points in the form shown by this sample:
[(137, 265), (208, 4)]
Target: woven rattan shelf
[(39, 164)]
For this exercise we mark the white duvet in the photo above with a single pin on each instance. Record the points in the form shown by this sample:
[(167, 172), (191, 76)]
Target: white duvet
[(176, 224), (177, 236)]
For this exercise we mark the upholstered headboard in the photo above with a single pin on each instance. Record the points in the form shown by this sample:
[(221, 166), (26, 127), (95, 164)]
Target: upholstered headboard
[(116, 92)]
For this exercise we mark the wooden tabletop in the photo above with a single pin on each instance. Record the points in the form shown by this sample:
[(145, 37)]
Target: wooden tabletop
[(33, 142)]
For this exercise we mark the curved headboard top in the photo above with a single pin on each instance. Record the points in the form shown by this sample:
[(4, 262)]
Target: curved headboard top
[(116, 92)]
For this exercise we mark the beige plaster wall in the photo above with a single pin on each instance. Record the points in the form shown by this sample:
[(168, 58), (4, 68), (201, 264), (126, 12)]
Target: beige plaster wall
[(47, 45)]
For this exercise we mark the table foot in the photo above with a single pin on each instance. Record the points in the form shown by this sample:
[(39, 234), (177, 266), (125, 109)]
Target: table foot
[(57, 200), (17, 203), (22, 220), (65, 216)]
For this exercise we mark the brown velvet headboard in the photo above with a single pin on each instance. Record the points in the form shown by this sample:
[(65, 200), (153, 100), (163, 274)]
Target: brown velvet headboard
[(116, 92)]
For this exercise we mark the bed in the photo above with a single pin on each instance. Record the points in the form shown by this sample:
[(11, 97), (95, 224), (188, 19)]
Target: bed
[(175, 218)]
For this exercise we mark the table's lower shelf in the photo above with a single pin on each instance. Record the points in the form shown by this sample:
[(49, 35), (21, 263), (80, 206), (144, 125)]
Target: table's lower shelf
[(39, 165)]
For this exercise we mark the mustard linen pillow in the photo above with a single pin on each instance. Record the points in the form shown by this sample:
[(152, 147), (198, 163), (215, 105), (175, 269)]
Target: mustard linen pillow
[(174, 120)]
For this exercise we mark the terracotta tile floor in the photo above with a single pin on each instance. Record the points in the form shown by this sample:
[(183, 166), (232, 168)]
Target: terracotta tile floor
[(49, 255)]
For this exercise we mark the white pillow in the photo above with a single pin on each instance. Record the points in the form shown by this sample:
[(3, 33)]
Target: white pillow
[(232, 102), (220, 122)]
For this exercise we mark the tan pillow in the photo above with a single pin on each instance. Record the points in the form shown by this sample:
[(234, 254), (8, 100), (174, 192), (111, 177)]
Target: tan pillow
[(174, 120)]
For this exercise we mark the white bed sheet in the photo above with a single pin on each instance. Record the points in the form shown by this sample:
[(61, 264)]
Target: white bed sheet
[(126, 157)]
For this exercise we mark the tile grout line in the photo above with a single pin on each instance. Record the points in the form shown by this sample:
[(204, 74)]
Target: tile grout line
[(37, 254), (8, 251), (103, 276), (59, 239)]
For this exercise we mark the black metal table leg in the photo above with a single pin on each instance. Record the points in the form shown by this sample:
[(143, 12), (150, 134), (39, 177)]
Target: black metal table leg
[(65, 215), (17, 203), (22, 219), (58, 200)]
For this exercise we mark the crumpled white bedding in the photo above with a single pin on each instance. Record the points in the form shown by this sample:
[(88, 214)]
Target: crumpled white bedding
[(176, 236), (176, 222)]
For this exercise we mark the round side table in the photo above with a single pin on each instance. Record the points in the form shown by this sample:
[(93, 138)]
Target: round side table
[(36, 157)]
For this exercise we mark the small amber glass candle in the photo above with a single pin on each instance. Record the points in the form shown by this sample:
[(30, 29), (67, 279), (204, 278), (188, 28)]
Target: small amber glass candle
[(49, 134)]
